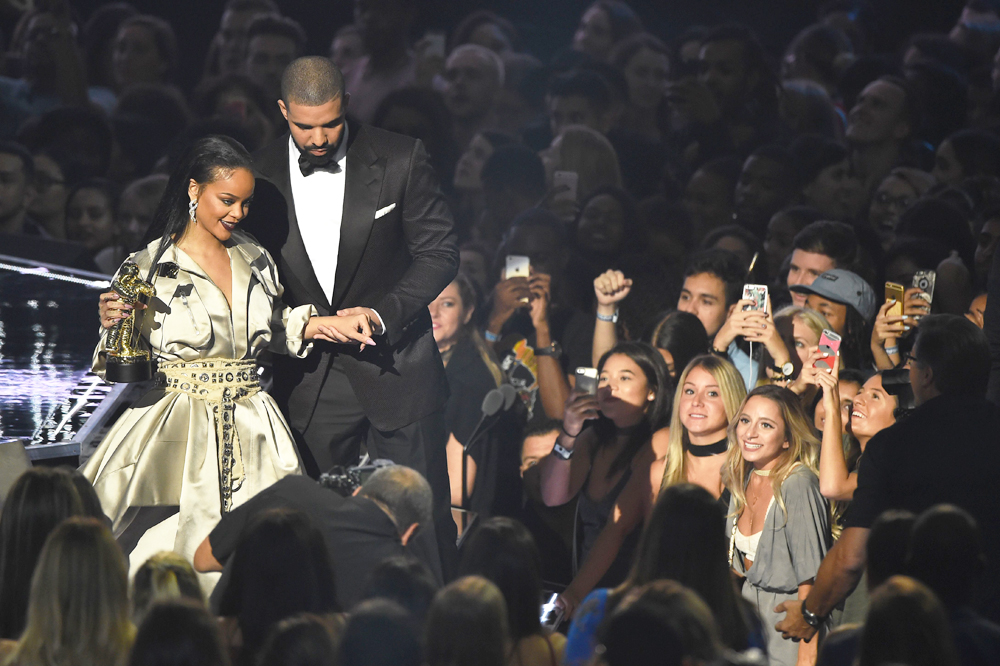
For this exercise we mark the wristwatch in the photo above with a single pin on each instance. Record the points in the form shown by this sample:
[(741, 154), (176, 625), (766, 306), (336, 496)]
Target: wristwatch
[(785, 370), (811, 618), (555, 350), (561, 451)]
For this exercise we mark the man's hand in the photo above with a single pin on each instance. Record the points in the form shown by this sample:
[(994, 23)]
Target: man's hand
[(508, 296), (350, 325), (540, 286), (112, 309), (794, 627)]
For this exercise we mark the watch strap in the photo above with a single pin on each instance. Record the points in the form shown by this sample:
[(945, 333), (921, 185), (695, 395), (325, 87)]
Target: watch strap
[(562, 452)]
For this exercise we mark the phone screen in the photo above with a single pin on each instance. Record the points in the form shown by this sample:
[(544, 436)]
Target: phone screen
[(551, 613), (756, 293)]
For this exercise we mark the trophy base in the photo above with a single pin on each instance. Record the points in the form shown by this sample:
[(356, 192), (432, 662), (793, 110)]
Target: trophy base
[(127, 372)]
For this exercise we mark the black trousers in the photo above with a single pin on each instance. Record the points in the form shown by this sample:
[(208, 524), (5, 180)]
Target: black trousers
[(333, 433)]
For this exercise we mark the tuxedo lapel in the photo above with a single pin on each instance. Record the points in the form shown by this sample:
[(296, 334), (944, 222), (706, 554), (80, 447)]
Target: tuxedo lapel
[(294, 257), (362, 187)]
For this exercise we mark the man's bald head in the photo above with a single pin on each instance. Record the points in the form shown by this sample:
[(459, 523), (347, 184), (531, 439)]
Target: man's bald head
[(311, 81)]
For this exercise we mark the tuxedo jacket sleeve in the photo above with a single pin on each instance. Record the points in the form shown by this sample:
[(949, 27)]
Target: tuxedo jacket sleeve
[(396, 263)]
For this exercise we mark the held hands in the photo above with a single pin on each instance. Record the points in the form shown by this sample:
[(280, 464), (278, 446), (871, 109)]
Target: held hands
[(350, 325), (112, 309), (611, 287)]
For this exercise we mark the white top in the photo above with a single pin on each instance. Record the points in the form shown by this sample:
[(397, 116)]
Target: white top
[(748, 544), (319, 208)]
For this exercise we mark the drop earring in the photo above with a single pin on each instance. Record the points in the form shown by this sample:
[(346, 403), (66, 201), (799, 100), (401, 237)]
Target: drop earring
[(192, 207)]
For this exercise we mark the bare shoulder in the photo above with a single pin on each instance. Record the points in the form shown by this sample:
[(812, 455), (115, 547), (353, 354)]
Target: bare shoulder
[(661, 442)]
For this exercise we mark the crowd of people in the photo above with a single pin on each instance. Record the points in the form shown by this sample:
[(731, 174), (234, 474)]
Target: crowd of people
[(739, 297)]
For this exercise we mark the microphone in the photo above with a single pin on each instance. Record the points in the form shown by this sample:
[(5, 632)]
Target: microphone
[(493, 403), (509, 396)]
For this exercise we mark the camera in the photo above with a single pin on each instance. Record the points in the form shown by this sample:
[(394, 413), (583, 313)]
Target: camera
[(896, 382), (345, 480)]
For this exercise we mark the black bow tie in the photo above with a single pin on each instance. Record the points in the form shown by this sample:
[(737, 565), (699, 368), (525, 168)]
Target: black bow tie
[(308, 168)]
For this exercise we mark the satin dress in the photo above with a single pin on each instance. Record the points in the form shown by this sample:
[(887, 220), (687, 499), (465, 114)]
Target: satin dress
[(164, 451)]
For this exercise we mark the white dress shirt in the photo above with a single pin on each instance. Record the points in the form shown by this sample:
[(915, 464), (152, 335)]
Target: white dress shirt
[(319, 209)]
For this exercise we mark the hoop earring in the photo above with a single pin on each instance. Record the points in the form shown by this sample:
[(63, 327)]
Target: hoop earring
[(192, 207)]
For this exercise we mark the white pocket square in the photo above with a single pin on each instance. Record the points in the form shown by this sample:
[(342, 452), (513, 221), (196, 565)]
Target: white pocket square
[(382, 211)]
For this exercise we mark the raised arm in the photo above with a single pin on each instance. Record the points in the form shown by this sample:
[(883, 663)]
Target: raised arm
[(835, 481), (610, 288), (562, 477)]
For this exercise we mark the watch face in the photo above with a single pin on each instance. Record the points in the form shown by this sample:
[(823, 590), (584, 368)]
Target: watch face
[(787, 369)]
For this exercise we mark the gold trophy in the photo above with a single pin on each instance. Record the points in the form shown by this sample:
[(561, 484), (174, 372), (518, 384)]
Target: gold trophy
[(127, 361)]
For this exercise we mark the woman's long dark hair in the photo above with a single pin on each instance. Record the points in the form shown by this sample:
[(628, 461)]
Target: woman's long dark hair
[(856, 348), (657, 413), (503, 551), (39, 500), (205, 161), (685, 540), (281, 567), (683, 335)]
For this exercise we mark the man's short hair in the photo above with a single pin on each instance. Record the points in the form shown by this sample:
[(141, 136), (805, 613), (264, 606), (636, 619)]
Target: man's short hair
[(486, 54), (724, 265), (515, 167), (957, 352), (280, 26), (583, 83), (404, 492), (836, 240), (22, 153), (311, 81)]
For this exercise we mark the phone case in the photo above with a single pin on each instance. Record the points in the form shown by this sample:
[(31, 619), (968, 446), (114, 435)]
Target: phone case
[(568, 178), (517, 266), (895, 291), (586, 380), (925, 281), (829, 342)]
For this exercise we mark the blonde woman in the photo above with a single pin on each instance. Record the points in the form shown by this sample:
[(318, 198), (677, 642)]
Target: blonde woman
[(78, 613), (779, 522), (165, 575), (709, 392)]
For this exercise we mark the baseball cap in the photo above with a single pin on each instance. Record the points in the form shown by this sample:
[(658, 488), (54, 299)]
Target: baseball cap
[(843, 287)]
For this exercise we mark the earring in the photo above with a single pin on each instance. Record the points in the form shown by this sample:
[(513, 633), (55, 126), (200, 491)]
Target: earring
[(192, 207)]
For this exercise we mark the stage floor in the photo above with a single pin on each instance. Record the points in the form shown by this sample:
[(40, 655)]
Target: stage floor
[(48, 330)]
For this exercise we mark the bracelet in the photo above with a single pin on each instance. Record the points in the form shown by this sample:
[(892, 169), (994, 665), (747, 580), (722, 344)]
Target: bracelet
[(563, 428), (892, 350), (613, 319), (490, 337), (720, 354), (562, 452)]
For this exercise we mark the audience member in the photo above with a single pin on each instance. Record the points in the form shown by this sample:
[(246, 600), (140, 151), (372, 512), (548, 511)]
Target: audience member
[(848, 304), (273, 42), (178, 633), (965, 154), (17, 190), (884, 117), (380, 633), (406, 581), (302, 640), (227, 52), (820, 247), (486, 29), (603, 25), (713, 283), (825, 174), (772, 461), (779, 242), (644, 60), (502, 551), (136, 208), (162, 577), (473, 80), (766, 184), (895, 194), (388, 63), (39, 500), (467, 625), (78, 608), (51, 186), (98, 41), (513, 182), (90, 220), (145, 51), (708, 197)]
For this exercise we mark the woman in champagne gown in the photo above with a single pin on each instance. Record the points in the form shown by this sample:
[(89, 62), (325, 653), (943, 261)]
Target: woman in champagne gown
[(205, 438)]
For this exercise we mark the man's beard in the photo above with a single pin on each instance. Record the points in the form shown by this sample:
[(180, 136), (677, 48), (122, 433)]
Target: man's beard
[(319, 160)]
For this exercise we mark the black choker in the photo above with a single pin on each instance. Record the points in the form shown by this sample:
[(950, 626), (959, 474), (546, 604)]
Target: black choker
[(705, 450)]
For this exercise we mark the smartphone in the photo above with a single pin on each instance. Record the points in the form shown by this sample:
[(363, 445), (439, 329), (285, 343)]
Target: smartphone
[(756, 293), (924, 281), (829, 342), (586, 380), (551, 614), (568, 178), (516, 266), (894, 291), (435, 40)]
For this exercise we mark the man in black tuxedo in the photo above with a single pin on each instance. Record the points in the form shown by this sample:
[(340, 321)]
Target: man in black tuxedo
[(358, 227)]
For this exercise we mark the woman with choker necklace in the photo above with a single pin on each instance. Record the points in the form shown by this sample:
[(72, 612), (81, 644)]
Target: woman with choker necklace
[(779, 523), (709, 392), (596, 460)]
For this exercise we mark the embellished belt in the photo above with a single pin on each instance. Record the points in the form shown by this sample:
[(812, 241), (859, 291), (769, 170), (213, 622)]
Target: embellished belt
[(222, 382)]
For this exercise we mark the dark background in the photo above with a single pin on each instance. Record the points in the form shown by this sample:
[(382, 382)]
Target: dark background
[(545, 25)]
